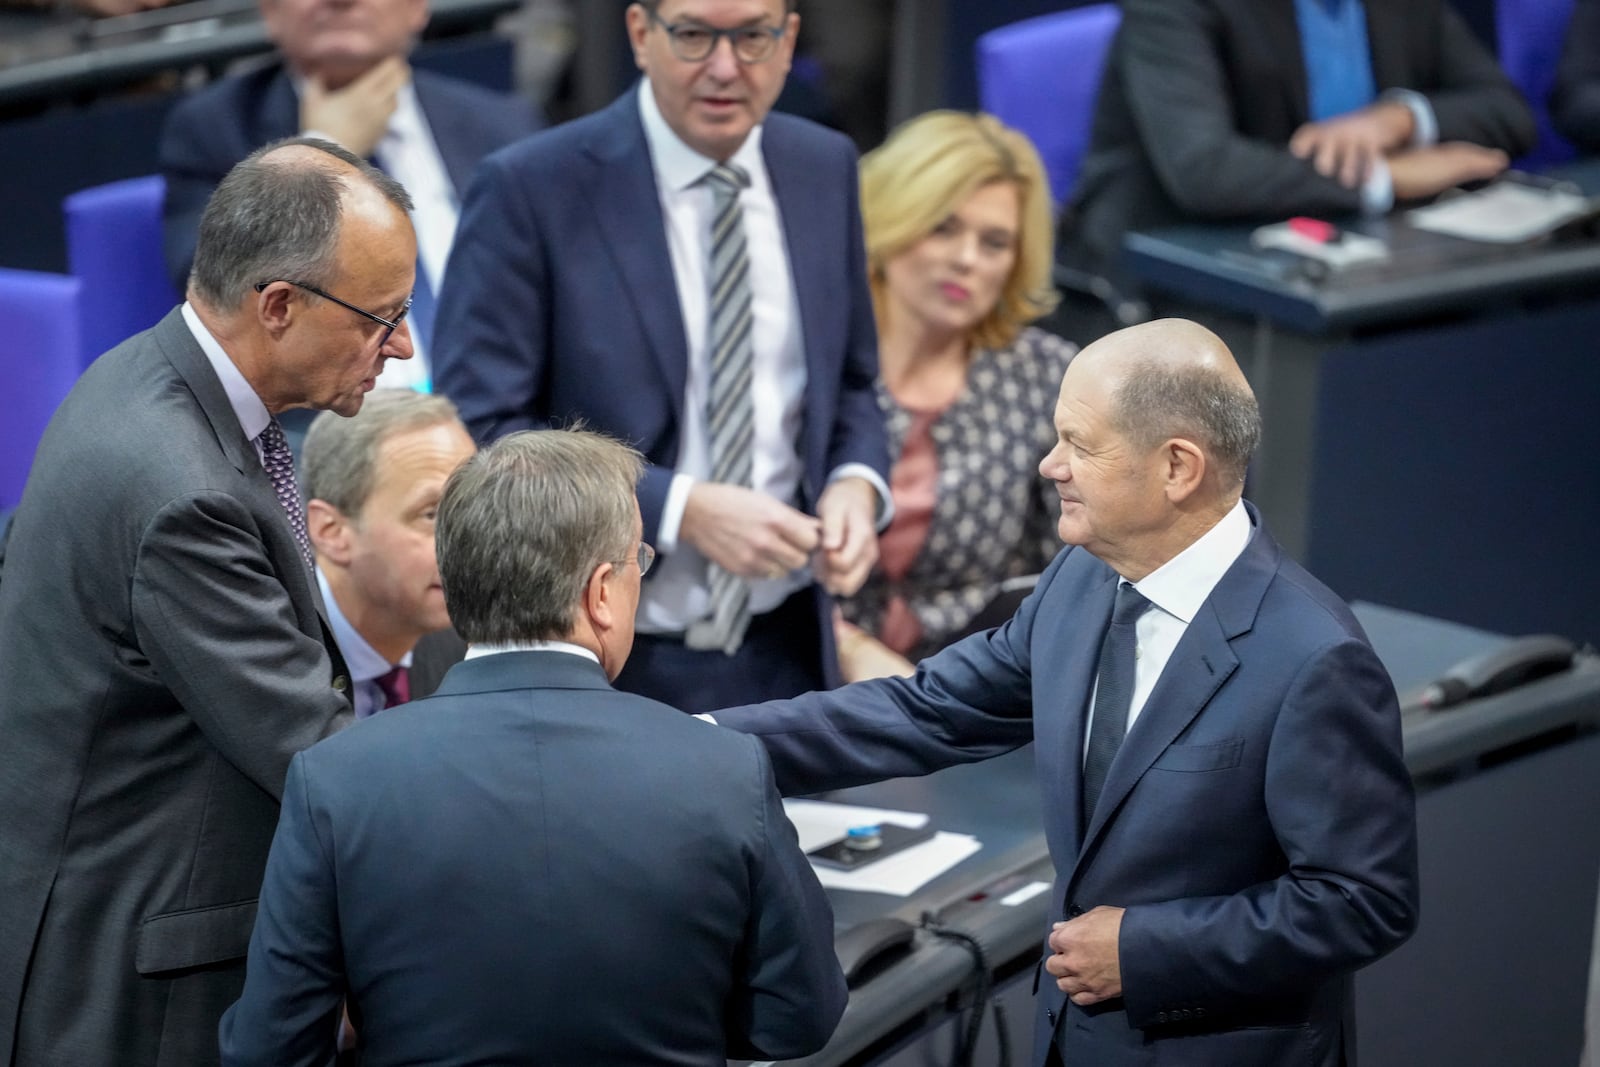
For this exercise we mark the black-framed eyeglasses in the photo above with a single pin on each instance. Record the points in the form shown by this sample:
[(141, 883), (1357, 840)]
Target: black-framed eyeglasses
[(693, 42), (645, 558), (390, 326)]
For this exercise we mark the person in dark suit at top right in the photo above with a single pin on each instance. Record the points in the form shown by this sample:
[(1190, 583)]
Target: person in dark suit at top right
[(1265, 109)]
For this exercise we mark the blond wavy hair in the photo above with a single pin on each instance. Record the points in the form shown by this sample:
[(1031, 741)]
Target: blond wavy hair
[(925, 171)]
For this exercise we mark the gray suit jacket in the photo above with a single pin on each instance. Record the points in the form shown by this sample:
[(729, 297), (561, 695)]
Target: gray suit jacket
[(162, 656)]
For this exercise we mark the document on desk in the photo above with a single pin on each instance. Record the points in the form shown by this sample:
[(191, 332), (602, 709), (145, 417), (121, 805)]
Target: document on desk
[(1503, 213), (819, 822)]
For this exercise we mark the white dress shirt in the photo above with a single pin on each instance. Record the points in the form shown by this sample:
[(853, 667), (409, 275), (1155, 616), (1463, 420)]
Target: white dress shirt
[(1176, 590), (479, 651), (678, 593), (252, 414)]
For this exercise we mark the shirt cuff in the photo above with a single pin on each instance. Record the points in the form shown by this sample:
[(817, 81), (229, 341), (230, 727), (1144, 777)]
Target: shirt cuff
[(1425, 126), (672, 513), (1377, 192), (885, 501)]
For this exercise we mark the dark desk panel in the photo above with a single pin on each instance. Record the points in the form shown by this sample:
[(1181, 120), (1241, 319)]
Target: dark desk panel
[(1425, 439), (48, 56), (1503, 784)]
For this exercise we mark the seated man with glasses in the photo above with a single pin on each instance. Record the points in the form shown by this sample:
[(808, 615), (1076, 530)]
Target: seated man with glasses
[(708, 253), (472, 873)]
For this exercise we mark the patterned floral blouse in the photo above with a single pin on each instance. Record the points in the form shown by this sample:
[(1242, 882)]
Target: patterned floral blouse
[(970, 507)]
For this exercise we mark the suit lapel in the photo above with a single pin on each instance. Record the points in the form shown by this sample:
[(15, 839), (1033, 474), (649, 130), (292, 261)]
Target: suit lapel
[(280, 110), (1072, 657), (1283, 29), (1388, 42), (621, 185), (1201, 663), (448, 133), (1198, 667), (183, 352), (796, 193)]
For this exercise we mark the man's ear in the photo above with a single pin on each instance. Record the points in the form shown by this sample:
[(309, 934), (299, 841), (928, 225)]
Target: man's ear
[(330, 532), (275, 309), (600, 599), (638, 23), (1186, 466)]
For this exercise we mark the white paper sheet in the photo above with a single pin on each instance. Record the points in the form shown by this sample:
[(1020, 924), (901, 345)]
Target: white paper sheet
[(1503, 213), (819, 823)]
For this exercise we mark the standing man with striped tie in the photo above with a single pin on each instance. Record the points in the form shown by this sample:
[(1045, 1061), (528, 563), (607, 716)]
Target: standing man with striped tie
[(685, 271), (163, 648)]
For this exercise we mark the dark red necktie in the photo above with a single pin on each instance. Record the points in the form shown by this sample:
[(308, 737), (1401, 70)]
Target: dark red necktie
[(396, 686)]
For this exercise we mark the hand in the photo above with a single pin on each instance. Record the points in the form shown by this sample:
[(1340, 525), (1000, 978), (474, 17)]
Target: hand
[(747, 533), (862, 656), (1344, 148), (357, 114), (1425, 172), (1085, 963), (847, 508)]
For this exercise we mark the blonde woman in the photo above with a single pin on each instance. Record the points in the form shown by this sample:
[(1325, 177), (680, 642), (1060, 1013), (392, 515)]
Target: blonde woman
[(956, 210)]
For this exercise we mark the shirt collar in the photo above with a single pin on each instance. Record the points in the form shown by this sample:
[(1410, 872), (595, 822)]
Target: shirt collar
[(364, 661), (1180, 585), (479, 651), (677, 165), (247, 406)]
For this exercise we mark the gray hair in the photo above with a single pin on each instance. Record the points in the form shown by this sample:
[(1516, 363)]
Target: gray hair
[(278, 219), (339, 460), (523, 525), (1156, 401)]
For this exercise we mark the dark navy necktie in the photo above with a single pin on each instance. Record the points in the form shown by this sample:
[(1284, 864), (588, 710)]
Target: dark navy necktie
[(1114, 695)]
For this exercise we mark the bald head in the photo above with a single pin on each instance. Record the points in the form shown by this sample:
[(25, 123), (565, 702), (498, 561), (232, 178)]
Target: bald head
[(1175, 378)]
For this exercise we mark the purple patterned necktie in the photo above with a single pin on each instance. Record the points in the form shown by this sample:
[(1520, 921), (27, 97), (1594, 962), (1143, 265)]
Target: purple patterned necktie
[(279, 463)]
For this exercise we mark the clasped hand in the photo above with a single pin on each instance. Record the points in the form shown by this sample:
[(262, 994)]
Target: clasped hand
[(1084, 958), (754, 536)]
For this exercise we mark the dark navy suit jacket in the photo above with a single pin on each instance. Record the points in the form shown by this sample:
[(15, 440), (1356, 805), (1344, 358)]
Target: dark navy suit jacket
[(213, 129), (1258, 823), (530, 867), (560, 302)]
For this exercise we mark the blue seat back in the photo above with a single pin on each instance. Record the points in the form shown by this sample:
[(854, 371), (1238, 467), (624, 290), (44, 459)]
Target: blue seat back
[(1042, 75), (1530, 33), (39, 360), (114, 248)]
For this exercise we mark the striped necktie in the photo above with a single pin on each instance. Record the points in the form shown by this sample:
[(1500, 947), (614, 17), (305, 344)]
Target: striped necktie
[(729, 417)]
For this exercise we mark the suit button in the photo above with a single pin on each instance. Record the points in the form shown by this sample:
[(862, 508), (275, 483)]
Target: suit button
[(341, 683), (1199, 1013), (1161, 1016), (1073, 911), (1050, 1016)]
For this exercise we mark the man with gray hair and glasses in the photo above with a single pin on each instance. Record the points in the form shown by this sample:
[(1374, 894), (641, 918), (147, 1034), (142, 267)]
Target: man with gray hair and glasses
[(163, 650), (472, 872)]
